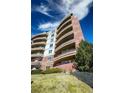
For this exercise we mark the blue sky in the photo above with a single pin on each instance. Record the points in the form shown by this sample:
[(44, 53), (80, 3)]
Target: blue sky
[(47, 14)]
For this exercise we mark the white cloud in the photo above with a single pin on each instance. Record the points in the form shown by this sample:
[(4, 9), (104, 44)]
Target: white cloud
[(42, 9), (48, 26), (80, 8)]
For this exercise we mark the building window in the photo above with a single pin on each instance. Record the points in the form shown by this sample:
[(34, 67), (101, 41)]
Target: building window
[(53, 32), (52, 35), (51, 45), (50, 51), (52, 40), (49, 58)]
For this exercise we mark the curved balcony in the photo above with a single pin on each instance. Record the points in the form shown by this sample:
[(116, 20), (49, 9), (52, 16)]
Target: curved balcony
[(37, 48), (40, 38), (35, 63), (39, 35), (65, 55), (64, 44), (64, 31), (64, 20), (36, 55), (63, 25), (64, 36), (38, 43)]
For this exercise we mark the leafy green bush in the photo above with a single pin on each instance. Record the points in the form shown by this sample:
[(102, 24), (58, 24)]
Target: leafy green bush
[(37, 71), (84, 57), (52, 70)]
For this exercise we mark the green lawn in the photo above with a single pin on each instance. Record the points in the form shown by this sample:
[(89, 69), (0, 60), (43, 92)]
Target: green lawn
[(58, 83)]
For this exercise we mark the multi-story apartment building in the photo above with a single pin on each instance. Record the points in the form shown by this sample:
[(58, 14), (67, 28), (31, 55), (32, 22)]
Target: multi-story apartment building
[(57, 48), (68, 37)]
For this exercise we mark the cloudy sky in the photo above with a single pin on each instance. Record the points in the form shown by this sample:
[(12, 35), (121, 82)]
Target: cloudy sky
[(47, 14)]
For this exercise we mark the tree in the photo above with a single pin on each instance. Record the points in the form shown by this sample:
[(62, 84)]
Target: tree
[(84, 57)]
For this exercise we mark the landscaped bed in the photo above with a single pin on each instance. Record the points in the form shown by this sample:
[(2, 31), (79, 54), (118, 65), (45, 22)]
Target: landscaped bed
[(58, 83)]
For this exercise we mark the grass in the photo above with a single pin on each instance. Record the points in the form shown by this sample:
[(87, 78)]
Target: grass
[(58, 83)]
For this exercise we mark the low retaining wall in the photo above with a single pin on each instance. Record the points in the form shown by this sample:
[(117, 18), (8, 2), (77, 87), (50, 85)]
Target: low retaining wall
[(67, 67)]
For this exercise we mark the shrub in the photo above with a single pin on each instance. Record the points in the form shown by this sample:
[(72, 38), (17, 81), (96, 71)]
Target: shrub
[(52, 70), (37, 71), (84, 57)]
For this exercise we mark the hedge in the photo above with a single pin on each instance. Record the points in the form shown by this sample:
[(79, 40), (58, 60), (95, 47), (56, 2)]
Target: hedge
[(37, 71), (52, 70)]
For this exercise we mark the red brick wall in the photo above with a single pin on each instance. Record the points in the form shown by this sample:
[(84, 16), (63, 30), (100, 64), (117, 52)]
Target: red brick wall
[(67, 67), (78, 34), (45, 62)]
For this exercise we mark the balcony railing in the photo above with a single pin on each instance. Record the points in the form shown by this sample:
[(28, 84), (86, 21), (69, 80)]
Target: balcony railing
[(65, 54), (67, 34), (37, 48), (37, 55), (64, 44), (39, 38), (64, 20), (63, 25), (35, 63), (39, 43), (39, 35), (63, 31)]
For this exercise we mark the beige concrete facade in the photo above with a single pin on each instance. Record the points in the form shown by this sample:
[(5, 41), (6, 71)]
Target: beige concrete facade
[(37, 49)]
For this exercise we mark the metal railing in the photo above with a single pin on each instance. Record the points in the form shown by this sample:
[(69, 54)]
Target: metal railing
[(65, 54), (64, 44)]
